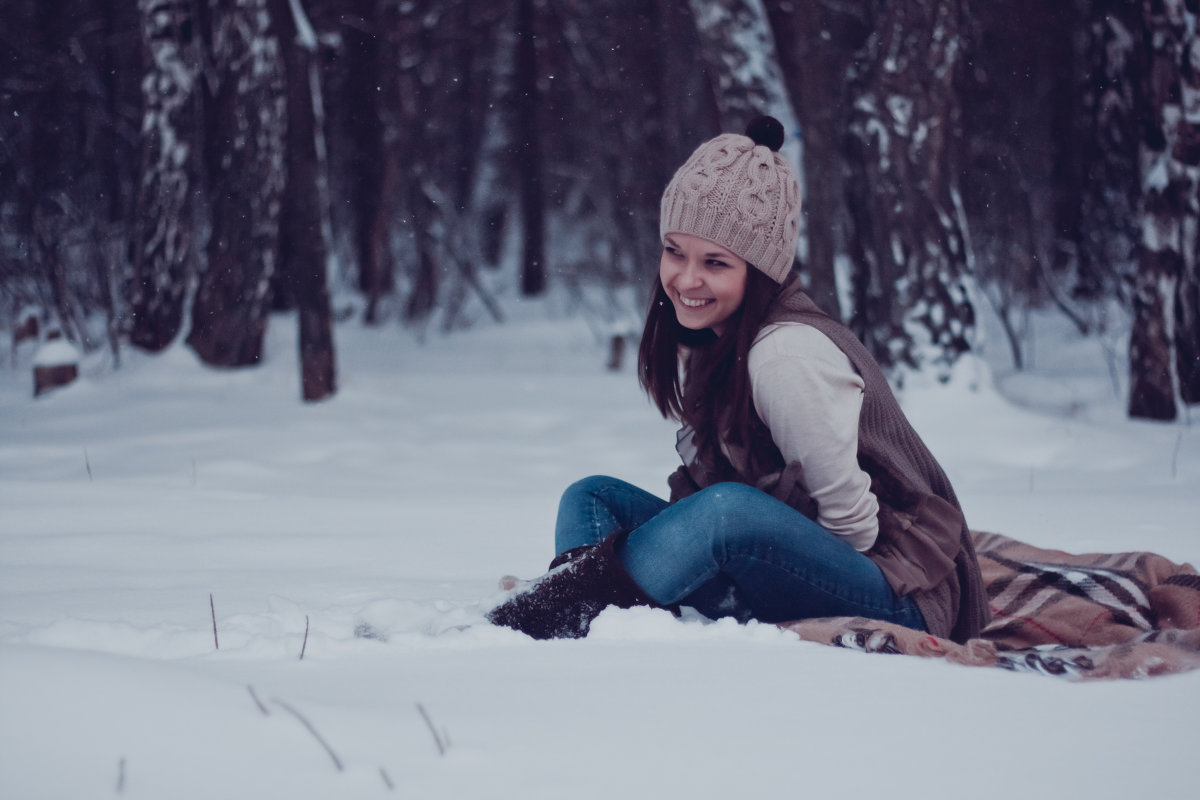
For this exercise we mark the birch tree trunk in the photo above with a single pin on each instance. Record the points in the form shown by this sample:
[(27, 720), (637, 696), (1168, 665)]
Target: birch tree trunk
[(164, 239), (247, 123), (912, 285), (1184, 167), (739, 49), (1165, 342)]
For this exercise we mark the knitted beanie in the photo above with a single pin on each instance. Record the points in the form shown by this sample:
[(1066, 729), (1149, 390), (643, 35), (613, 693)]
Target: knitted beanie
[(739, 192)]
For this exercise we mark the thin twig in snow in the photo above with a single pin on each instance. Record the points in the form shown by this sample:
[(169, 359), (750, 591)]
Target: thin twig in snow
[(337, 762), (305, 644), (437, 737), (386, 780), (87, 462), (213, 610), (258, 702)]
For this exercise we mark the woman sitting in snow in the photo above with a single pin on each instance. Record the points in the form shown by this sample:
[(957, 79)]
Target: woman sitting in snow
[(804, 491)]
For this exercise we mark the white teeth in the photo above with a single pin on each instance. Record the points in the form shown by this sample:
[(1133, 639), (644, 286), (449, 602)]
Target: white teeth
[(693, 303)]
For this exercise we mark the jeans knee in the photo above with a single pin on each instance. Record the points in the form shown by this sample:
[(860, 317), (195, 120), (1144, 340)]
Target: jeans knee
[(590, 486), (584, 496), (731, 494), (739, 515)]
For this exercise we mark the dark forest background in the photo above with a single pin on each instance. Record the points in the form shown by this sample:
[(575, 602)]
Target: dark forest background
[(184, 167)]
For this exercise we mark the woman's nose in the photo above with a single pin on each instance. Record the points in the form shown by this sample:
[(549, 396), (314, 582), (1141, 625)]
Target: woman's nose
[(690, 275)]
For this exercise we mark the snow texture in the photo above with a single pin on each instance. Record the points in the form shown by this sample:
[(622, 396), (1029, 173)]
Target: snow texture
[(370, 531)]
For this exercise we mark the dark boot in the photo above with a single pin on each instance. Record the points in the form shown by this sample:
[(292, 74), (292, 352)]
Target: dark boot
[(568, 555), (562, 603)]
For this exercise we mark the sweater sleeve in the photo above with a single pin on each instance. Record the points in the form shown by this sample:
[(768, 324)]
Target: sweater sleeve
[(809, 396)]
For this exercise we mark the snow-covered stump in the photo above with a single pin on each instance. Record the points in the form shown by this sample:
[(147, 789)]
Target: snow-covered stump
[(55, 364)]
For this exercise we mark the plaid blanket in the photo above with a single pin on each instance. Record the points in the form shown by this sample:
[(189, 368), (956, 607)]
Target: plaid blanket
[(1086, 616)]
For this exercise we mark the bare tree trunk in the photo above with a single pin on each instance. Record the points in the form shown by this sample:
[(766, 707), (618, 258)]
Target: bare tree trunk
[(302, 250), (529, 155), (382, 271), (1151, 384), (912, 283), (119, 61), (163, 237), (1164, 341), (245, 158), (1187, 331), (1109, 206), (422, 298), (1068, 180), (413, 137), (363, 37), (817, 42), (44, 203)]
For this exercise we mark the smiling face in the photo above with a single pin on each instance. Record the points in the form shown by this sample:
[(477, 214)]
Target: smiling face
[(705, 281)]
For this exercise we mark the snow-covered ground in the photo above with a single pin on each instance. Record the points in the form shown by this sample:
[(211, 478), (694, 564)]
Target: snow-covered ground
[(379, 522)]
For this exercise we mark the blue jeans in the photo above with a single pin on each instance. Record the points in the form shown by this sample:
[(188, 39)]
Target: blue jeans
[(730, 551)]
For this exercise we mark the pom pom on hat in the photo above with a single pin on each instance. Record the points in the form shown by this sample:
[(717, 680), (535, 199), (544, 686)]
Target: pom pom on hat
[(745, 198), (766, 131)]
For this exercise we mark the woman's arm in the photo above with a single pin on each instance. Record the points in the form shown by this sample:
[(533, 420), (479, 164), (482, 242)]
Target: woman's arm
[(809, 396)]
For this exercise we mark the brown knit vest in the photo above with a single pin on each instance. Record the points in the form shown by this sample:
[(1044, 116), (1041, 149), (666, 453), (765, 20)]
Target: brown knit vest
[(924, 548)]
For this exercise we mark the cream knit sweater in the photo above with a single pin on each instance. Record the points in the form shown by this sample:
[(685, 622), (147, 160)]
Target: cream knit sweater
[(809, 396)]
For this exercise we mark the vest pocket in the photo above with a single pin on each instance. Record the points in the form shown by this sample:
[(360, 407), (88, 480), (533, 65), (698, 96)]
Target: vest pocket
[(916, 548)]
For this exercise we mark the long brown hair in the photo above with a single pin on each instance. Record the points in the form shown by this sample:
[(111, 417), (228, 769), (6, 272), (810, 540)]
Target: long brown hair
[(714, 396)]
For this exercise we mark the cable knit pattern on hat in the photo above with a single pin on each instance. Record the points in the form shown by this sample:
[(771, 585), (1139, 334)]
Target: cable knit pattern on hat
[(741, 195)]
